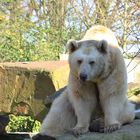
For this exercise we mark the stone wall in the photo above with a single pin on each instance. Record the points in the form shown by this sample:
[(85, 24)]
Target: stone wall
[(24, 86)]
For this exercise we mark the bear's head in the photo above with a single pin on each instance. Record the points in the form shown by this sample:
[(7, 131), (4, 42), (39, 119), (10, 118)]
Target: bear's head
[(88, 59)]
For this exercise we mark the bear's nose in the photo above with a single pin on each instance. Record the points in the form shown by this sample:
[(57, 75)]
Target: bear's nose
[(83, 76)]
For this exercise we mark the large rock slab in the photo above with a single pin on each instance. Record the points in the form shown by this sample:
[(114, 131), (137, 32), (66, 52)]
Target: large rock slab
[(127, 132), (24, 86)]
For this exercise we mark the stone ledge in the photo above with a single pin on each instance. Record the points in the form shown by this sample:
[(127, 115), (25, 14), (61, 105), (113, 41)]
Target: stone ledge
[(40, 65), (127, 132), (24, 86)]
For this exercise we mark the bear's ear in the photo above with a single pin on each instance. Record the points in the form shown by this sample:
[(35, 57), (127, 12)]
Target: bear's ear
[(102, 46), (71, 46)]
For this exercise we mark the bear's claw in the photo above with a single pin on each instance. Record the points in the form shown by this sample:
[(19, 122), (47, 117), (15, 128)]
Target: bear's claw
[(79, 131), (111, 128)]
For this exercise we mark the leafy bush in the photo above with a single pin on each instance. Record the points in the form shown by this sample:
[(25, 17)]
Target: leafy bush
[(22, 124)]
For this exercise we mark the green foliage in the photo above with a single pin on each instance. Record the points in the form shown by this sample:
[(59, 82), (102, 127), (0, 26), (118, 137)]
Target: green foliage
[(24, 39), (22, 124), (32, 30), (32, 45)]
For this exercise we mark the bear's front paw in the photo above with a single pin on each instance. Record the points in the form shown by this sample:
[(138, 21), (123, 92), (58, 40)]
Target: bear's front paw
[(79, 130), (111, 128)]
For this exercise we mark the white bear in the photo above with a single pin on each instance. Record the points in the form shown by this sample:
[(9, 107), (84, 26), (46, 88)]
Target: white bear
[(97, 68), (112, 81)]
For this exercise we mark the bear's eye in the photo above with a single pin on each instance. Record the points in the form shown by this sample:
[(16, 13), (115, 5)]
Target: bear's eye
[(79, 61), (91, 62)]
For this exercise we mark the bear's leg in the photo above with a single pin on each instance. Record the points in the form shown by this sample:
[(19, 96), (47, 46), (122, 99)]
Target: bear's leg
[(128, 113), (61, 117), (112, 107), (83, 110), (117, 111)]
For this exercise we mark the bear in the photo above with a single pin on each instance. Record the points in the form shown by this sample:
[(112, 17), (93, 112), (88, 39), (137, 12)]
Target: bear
[(112, 81), (97, 83)]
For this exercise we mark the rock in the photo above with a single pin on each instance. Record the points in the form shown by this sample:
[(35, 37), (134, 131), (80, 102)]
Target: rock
[(127, 132), (133, 85), (24, 86), (134, 93), (3, 123), (42, 137), (15, 136), (135, 99)]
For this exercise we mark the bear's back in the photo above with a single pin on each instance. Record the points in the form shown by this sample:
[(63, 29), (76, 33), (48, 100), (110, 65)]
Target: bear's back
[(99, 32)]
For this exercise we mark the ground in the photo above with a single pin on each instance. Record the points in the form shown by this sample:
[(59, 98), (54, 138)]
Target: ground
[(127, 132)]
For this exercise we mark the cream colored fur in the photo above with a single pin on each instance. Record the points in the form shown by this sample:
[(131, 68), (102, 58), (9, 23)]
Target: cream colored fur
[(103, 65), (113, 87)]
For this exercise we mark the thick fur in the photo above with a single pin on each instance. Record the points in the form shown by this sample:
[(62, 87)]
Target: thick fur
[(95, 61), (72, 110), (60, 118), (112, 82)]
